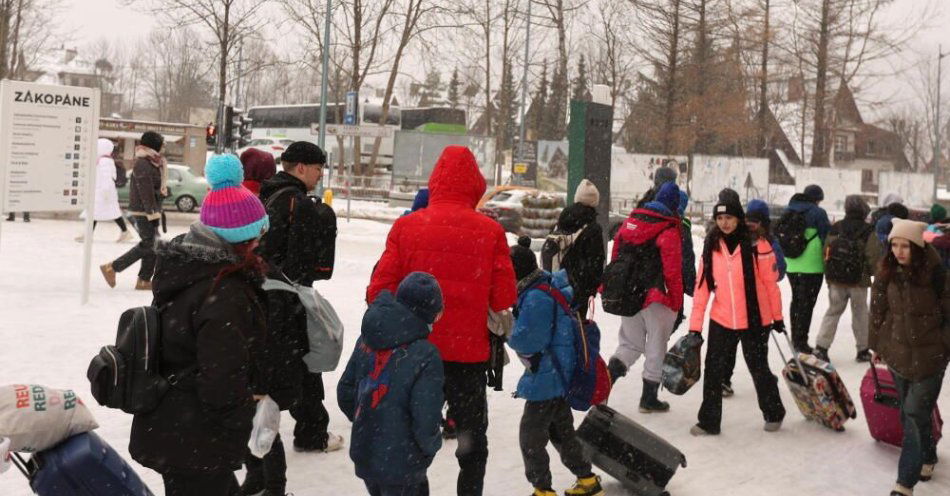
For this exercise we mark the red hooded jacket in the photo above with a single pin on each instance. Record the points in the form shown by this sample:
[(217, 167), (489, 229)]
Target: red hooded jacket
[(466, 251), (645, 224)]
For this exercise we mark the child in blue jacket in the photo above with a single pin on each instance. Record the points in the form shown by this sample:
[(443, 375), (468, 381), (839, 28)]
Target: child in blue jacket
[(392, 390), (543, 337)]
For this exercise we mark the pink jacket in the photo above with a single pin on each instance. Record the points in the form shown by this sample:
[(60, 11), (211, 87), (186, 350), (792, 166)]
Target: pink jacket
[(729, 305)]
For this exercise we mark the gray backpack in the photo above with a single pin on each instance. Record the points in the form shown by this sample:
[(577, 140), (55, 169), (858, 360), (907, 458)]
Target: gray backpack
[(324, 328)]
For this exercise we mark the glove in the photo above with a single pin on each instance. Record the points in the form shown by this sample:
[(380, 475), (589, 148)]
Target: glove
[(694, 339), (778, 326)]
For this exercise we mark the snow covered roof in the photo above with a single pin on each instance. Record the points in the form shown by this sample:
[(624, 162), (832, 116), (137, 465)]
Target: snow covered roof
[(64, 61), (796, 121)]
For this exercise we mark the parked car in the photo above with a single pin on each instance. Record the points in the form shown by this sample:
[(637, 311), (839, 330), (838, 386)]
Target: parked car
[(186, 190), (274, 146), (504, 204)]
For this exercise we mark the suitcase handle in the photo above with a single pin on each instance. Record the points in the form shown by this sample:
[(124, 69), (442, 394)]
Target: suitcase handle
[(22, 465), (801, 369)]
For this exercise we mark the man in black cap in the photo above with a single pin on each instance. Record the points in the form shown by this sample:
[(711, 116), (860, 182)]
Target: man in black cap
[(299, 248), (147, 191)]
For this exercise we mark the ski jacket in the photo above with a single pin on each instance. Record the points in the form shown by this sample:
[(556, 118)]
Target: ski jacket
[(729, 304), (394, 442), (655, 222), (543, 328), (466, 251), (817, 226), (584, 261)]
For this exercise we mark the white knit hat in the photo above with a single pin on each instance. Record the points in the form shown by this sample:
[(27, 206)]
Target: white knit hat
[(587, 194), (907, 229)]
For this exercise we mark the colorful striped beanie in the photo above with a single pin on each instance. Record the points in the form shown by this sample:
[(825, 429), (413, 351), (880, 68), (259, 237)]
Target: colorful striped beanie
[(231, 210)]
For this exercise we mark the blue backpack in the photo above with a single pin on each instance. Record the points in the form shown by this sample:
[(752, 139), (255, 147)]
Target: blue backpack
[(590, 383)]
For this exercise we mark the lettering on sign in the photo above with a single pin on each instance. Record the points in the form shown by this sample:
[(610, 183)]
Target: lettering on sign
[(50, 99)]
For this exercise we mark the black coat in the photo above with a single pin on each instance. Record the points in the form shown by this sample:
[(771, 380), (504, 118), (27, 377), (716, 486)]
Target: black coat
[(145, 188), (202, 424), (584, 261), (301, 240)]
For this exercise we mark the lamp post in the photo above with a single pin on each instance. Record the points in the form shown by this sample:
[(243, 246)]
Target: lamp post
[(524, 84), (324, 79), (937, 152)]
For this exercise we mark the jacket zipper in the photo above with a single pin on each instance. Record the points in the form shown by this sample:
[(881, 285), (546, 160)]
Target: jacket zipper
[(145, 316), (732, 289), (115, 375)]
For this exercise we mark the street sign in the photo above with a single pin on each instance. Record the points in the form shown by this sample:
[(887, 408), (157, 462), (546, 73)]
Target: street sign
[(352, 103), (371, 131), (524, 167)]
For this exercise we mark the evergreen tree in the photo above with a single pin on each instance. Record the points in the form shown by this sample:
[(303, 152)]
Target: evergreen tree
[(581, 88), (431, 89), (506, 117), (538, 106), (554, 125), (454, 89)]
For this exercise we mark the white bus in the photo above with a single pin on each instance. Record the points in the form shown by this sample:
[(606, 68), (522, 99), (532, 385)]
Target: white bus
[(293, 122)]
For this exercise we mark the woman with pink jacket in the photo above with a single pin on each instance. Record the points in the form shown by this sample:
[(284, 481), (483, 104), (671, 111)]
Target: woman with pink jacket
[(741, 271)]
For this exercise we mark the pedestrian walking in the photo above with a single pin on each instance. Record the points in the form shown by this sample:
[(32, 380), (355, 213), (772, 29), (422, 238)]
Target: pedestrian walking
[(467, 253), (106, 204), (910, 304), (259, 166), (851, 254), (147, 191)]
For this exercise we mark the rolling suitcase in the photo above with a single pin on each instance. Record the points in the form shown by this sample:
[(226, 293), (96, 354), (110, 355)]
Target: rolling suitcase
[(628, 452), (83, 465), (882, 408), (819, 392)]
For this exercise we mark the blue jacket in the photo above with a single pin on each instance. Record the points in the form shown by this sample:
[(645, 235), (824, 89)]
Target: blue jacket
[(394, 443), (883, 228), (689, 257), (779, 259), (543, 329)]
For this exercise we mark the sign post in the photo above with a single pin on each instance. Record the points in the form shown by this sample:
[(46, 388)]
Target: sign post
[(48, 151)]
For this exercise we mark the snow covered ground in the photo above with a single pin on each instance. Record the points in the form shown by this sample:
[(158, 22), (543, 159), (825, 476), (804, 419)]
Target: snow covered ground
[(46, 337)]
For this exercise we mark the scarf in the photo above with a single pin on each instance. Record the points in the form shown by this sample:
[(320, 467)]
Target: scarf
[(747, 254), (157, 160)]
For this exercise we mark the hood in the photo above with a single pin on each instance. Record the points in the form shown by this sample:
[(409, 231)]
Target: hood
[(684, 202), (189, 258), (388, 324), (456, 178), (800, 202), (280, 181), (575, 216), (646, 223), (558, 280), (891, 198), (104, 147), (421, 200)]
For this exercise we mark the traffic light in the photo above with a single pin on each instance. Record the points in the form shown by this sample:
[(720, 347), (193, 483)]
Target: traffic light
[(245, 129), (235, 124), (227, 126)]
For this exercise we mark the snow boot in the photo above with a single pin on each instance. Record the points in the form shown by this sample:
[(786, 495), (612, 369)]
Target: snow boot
[(253, 485), (864, 356), (616, 368), (698, 431), (900, 490), (108, 273), (648, 400), (143, 285), (543, 492), (822, 353), (727, 390), (586, 486), (927, 472)]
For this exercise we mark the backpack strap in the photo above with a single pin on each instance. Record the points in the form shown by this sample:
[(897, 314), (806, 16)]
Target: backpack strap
[(277, 194)]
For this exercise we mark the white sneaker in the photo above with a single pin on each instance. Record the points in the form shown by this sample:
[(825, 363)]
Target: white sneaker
[(334, 443), (125, 236)]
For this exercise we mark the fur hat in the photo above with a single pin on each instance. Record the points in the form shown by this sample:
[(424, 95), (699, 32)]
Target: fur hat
[(421, 294), (152, 140), (587, 194), (523, 259), (231, 210), (907, 229)]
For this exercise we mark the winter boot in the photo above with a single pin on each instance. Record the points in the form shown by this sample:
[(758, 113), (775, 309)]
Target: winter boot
[(108, 273), (864, 356), (927, 472), (543, 492), (253, 484), (900, 490), (11, 217), (773, 426), (586, 486), (26, 216), (727, 390), (616, 368), (143, 285), (804, 347), (334, 443), (698, 431), (648, 400), (822, 354), (124, 236)]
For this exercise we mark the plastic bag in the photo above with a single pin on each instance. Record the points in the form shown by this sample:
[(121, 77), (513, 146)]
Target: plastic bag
[(265, 428), (37, 417)]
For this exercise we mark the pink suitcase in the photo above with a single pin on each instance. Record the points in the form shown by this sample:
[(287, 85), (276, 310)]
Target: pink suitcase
[(882, 408)]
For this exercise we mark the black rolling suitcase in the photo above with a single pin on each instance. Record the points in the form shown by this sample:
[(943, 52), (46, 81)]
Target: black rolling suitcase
[(628, 452)]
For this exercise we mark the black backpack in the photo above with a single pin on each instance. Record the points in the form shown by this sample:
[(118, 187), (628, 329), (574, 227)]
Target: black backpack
[(629, 277), (555, 248), (127, 376), (845, 257), (790, 232), (326, 232), (121, 176)]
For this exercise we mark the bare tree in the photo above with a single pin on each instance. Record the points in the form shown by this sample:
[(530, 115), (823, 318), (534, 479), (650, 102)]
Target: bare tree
[(613, 61), (28, 29), (179, 77), (560, 14)]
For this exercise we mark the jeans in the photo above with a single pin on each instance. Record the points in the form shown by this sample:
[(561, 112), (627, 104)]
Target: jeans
[(917, 401), (421, 489), (805, 289), (144, 250), (312, 418), (468, 406), (646, 333), (838, 297), (222, 483), (545, 421), (755, 348)]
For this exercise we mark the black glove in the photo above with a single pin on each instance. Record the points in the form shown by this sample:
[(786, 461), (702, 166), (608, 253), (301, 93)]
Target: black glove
[(778, 326), (694, 339)]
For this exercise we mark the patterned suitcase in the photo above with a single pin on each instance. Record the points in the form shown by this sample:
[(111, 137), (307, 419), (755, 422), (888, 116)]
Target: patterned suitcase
[(820, 394)]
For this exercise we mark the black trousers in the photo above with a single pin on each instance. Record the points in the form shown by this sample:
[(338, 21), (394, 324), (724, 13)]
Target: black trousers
[(755, 348), (119, 221), (468, 406), (312, 418), (269, 472), (222, 483), (544, 421), (144, 250), (805, 289)]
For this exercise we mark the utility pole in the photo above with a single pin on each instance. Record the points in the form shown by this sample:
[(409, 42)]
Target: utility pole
[(323, 83), (937, 152), (524, 84)]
